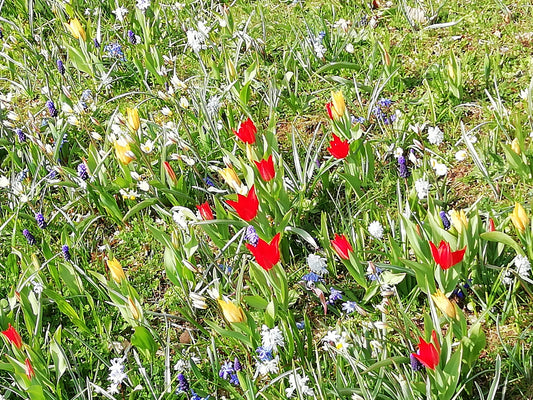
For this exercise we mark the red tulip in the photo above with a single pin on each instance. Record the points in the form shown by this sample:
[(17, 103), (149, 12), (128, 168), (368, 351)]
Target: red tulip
[(266, 255), (328, 109), (444, 257), (13, 336), (338, 148), (247, 131), (428, 353), (205, 211), (30, 373), (341, 246), (491, 228), (266, 168), (246, 206), (170, 172)]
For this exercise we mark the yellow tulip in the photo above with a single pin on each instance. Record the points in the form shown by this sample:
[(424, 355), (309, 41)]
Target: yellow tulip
[(76, 29), (444, 304), (519, 218), (338, 107), (123, 151), (459, 220), (117, 273), (132, 119), (515, 146), (134, 310), (231, 312), (231, 178)]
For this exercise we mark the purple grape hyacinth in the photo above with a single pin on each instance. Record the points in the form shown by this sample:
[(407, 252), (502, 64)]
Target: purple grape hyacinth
[(51, 108), (29, 237), (82, 172), (445, 221), (131, 37), (404, 171), (21, 135), (66, 252), (60, 67), (41, 223)]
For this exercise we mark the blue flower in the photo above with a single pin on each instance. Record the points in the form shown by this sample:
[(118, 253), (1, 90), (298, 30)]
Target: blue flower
[(114, 50), (349, 307), (226, 370), (131, 37), (334, 295), (237, 365), (264, 354), (300, 325), (234, 379), (311, 277)]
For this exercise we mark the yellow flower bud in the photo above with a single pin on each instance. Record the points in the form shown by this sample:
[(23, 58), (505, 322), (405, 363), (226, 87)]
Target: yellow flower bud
[(132, 119), (117, 273), (231, 178), (75, 29), (519, 218), (231, 312), (338, 107), (133, 308), (123, 151), (515, 146), (444, 304), (459, 220)]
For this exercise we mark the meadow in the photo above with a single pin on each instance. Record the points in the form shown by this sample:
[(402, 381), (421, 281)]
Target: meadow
[(266, 200)]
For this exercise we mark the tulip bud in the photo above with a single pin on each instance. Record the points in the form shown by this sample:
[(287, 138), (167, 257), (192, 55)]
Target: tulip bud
[(132, 119), (231, 312), (75, 29), (515, 146), (117, 273), (444, 304), (459, 220), (519, 218), (134, 310)]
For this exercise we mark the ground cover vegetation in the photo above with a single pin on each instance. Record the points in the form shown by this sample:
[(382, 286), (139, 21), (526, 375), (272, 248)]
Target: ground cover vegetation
[(266, 200)]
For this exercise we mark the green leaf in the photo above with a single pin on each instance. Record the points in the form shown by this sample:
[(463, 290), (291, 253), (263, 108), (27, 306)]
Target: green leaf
[(501, 237), (138, 207), (58, 355), (67, 309), (256, 302), (143, 340), (36, 392)]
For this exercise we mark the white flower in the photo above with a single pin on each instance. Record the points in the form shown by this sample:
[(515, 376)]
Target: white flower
[(524, 93), (523, 266), (343, 24), (298, 383), (166, 111), (435, 135), (116, 371), (331, 337), (317, 264), (422, 188), (213, 106), (143, 5), (375, 229), (507, 278), (320, 50), (4, 181), (349, 48), (271, 338), (267, 367), (195, 40), (143, 185), (471, 138), (398, 152), (440, 169), (147, 147), (180, 219), (198, 301), (461, 155), (37, 287), (120, 13), (184, 103)]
